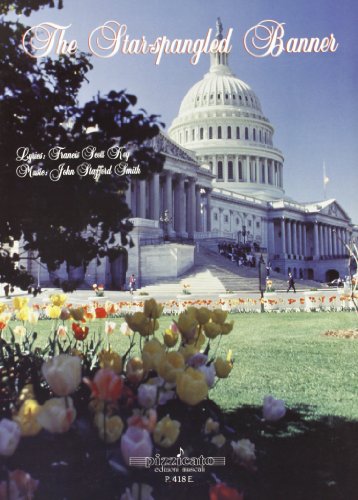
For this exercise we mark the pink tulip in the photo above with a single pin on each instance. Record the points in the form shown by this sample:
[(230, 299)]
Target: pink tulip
[(136, 442)]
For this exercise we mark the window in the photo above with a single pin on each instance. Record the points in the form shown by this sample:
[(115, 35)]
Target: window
[(237, 221), (237, 132), (210, 132), (265, 138), (246, 133), (260, 136), (230, 171), (215, 216), (219, 132), (249, 223), (263, 173), (257, 225), (241, 176), (254, 134), (229, 132), (186, 136), (234, 96), (220, 170), (226, 218), (226, 96), (218, 96), (193, 135), (201, 134)]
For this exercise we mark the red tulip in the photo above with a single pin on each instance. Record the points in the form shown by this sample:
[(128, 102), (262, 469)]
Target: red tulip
[(221, 491), (106, 385), (80, 332), (101, 312)]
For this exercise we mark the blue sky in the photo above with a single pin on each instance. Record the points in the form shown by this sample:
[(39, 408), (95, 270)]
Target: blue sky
[(311, 99)]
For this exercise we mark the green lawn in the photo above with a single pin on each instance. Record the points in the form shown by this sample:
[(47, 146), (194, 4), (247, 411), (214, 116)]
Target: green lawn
[(285, 355)]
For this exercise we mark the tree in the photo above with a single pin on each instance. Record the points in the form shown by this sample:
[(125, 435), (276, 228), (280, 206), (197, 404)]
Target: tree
[(75, 219)]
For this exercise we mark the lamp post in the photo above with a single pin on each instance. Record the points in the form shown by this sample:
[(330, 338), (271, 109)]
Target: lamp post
[(262, 281), (165, 219)]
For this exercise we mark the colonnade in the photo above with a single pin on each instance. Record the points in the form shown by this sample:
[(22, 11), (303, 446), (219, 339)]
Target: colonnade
[(251, 169), (325, 240), (178, 194)]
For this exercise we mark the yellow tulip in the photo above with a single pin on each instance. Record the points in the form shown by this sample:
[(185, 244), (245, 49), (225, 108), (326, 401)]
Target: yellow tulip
[(223, 367), (27, 418), (170, 337), (212, 330), (203, 315), (109, 428), (53, 312), (188, 350), (23, 314), (138, 322), (111, 360), (152, 354), (152, 309), (219, 316), (166, 432), (187, 325), (58, 299), (2, 307), (20, 302), (227, 327), (170, 365), (191, 386)]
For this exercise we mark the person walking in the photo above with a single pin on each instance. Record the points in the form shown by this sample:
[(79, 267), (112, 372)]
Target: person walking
[(132, 284), (291, 283)]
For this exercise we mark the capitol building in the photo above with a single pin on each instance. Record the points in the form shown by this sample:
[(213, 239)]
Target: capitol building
[(223, 179)]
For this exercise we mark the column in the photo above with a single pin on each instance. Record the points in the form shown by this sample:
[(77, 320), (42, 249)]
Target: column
[(168, 199), (208, 210), (129, 195), (325, 240), (304, 240), (247, 168), (142, 200), (294, 231), (315, 240), (334, 237), (191, 208), (179, 206), (289, 238), (198, 210), (283, 236), (271, 238), (154, 201), (321, 240), (300, 251), (330, 241), (266, 171), (257, 169)]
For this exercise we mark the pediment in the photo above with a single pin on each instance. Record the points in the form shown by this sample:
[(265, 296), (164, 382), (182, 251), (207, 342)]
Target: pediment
[(334, 210)]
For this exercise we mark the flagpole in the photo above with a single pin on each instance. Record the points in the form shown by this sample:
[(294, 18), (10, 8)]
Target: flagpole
[(324, 181)]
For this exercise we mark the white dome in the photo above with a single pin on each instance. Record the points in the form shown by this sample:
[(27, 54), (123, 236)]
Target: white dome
[(220, 87)]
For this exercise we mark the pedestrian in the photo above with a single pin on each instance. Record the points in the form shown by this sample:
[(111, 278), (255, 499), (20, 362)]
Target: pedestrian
[(291, 283), (132, 284), (268, 269)]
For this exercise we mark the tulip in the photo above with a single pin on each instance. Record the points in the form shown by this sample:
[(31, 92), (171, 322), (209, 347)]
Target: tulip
[(147, 395), (80, 332), (63, 374), (134, 370), (170, 365), (33, 317), (211, 426), (65, 314), (20, 302), (57, 415), (20, 331), (227, 327), (138, 492), (147, 421), (106, 385), (221, 491), (273, 409), (19, 487), (109, 327), (166, 432), (2, 307), (77, 314), (219, 440), (124, 328), (197, 360), (152, 353), (244, 451), (188, 351), (170, 337), (209, 373), (100, 312), (192, 387), (10, 434), (136, 442), (222, 368), (27, 418), (152, 309), (62, 331), (53, 312), (212, 330), (109, 428), (58, 299), (111, 360), (203, 315), (219, 316), (23, 314), (187, 325)]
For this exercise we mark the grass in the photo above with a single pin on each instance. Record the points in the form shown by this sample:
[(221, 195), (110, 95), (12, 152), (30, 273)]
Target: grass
[(285, 355)]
